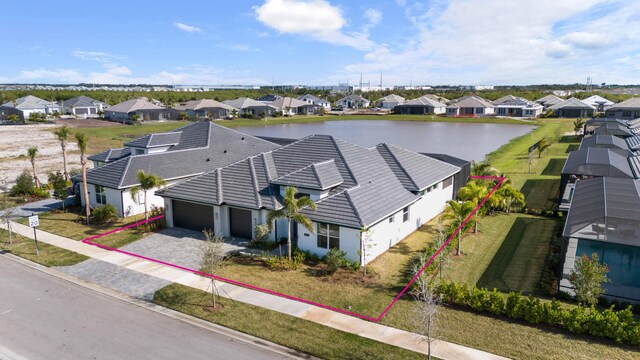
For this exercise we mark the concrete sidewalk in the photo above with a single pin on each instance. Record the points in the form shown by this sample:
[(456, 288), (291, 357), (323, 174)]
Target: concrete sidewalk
[(378, 332)]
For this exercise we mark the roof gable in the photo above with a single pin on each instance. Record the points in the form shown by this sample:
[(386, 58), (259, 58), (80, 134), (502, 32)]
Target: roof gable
[(317, 176)]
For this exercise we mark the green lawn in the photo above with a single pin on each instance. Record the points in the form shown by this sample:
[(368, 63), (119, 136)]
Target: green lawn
[(70, 225), (48, 255), (302, 335)]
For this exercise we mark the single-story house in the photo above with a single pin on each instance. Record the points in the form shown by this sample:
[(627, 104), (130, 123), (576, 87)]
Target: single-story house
[(614, 128), (7, 111), (311, 99), (591, 124), (30, 104), (549, 101), (268, 98), (604, 218), (205, 109), (505, 99), (573, 108), (248, 106), (174, 156), (386, 191), (608, 142), (472, 106), (421, 106), (291, 106), (601, 104), (83, 106), (593, 162), (628, 109), (353, 101), (390, 101), (142, 107), (518, 107)]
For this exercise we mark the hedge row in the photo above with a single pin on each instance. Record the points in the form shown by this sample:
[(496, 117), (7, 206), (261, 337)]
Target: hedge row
[(619, 326)]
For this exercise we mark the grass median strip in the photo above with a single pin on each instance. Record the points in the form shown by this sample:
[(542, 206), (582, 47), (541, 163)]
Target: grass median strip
[(49, 255)]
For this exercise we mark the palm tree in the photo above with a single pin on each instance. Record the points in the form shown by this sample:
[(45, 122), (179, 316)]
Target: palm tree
[(510, 197), (578, 124), (482, 169), (62, 134), (291, 211), (82, 146), (147, 182), (543, 145), (32, 152), (458, 212), (474, 193)]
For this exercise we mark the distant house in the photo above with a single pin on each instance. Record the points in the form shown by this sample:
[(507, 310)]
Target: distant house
[(248, 106), (517, 107), (353, 101), (205, 109), (142, 107), (549, 100), (421, 106), (7, 111), (390, 101), (505, 99), (30, 104), (615, 129), (291, 106), (311, 99), (268, 98), (83, 106), (470, 106), (601, 104), (386, 189), (573, 108), (628, 109), (604, 218), (177, 155)]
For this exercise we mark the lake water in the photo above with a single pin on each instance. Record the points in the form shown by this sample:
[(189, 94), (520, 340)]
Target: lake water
[(470, 141)]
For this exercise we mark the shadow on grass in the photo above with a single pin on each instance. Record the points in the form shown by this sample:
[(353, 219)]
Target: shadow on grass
[(541, 193), (554, 167), (572, 147), (570, 139)]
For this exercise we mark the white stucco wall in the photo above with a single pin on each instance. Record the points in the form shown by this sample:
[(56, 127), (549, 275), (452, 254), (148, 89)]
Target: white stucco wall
[(122, 200), (112, 197), (349, 241)]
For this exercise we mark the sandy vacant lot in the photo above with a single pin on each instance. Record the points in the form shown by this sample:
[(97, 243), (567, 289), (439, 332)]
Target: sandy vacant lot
[(14, 142)]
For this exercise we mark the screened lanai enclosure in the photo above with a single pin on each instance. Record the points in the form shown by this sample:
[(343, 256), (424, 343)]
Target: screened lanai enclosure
[(604, 218)]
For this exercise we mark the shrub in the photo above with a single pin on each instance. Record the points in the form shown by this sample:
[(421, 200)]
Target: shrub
[(512, 307), (24, 185), (156, 224), (75, 171), (41, 193), (335, 259), (261, 232), (496, 302), (283, 263), (105, 214)]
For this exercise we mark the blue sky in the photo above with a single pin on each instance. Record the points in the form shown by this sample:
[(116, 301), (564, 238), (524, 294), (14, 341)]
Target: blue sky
[(262, 42)]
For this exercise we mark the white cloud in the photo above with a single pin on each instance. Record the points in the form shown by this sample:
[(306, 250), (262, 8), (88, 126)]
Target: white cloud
[(373, 18), (240, 47), (187, 28), (587, 40), (95, 55), (315, 18)]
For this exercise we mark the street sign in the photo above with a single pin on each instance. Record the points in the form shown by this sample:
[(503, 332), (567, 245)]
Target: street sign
[(34, 221)]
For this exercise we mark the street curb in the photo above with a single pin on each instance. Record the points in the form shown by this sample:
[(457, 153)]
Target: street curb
[(188, 319)]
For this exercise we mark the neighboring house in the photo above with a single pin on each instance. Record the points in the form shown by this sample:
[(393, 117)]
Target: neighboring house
[(628, 109), (353, 101), (549, 101), (616, 129), (604, 218), (421, 106), (615, 143), (177, 155), (385, 189), (6, 111), (518, 107), (143, 107), (205, 109), (269, 98), (573, 108), (505, 99), (248, 106), (291, 106), (601, 104), (30, 104), (390, 101), (83, 106), (590, 162), (311, 99), (470, 106)]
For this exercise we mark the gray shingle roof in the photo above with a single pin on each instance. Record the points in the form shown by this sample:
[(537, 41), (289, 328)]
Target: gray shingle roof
[(572, 103), (505, 98), (633, 103), (31, 102), (156, 140), (110, 155), (549, 100), (471, 101), (363, 187), (203, 146), (284, 102), (604, 141), (243, 103), (633, 142), (317, 176), (202, 104), (613, 129), (424, 101), (134, 105), (83, 101), (392, 98), (597, 162)]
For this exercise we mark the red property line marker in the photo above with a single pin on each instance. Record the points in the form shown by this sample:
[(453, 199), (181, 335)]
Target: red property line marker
[(271, 292)]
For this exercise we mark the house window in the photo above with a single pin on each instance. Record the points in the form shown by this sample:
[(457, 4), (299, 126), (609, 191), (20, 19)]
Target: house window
[(101, 197), (447, 182), (479, 111), (328, 236), (626, 113), (391, 219), (405, 214), (502, 111)]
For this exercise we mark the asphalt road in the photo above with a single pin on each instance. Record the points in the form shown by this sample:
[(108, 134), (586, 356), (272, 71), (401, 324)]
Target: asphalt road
[(44, 317)]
